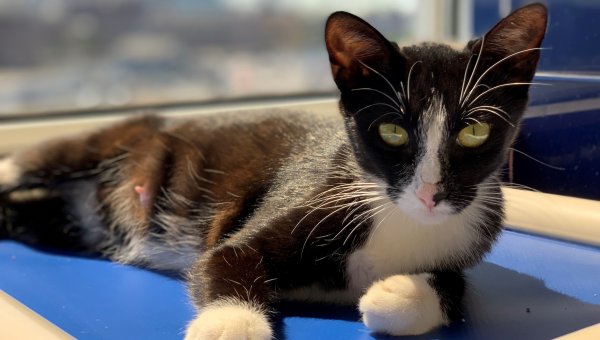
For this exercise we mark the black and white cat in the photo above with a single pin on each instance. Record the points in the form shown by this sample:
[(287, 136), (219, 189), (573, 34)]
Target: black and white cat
[(383, 206)]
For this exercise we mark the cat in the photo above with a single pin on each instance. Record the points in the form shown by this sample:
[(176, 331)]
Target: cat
[(383, 205)]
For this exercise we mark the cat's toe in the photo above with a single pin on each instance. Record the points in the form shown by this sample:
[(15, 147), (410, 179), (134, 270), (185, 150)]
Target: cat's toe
[(402, 305), (230, 322), (10, 173)]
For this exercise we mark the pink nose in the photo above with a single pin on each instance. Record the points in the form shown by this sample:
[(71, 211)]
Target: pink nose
[(425, 193)]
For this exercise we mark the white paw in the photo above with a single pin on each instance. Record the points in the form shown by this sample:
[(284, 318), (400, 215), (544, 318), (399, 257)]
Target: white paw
[(230, 321), (10, 173), (402, 305)]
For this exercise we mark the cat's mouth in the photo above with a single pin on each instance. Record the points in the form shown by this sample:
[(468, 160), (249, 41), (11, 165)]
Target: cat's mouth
[(423, 211)]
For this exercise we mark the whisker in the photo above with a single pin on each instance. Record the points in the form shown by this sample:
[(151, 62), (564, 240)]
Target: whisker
[(501, 86), (519, 186), (337, 208), (493, 66), (408, 79), (403, 91), (328, 204), (319, 223), (537, 160), (473, 119), (376, 104), (473, 71), (488, 107), (351, 193), (498, 115), (399, 107), (357, 217), (350, 187), (346, 225), (369, 217), (384, 78), (382, 220), (379, 119), (462, 86)]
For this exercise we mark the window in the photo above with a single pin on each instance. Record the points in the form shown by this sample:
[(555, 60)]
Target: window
[(81, 55), (558, 150)]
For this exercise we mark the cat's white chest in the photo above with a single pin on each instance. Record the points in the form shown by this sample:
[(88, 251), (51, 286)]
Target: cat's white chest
[(397, 244)]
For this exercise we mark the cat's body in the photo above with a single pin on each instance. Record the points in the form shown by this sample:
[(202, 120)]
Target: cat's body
[(386, 203)]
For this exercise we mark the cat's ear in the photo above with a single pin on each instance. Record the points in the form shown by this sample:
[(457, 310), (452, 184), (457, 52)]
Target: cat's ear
[(356, 50), (517, 37)]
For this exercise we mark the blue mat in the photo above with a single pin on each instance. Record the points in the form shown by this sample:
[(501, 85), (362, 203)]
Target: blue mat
[(529, 287)]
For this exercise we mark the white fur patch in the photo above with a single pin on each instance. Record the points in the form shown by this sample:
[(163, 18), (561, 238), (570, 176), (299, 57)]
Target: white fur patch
[(230, 320), (400, 244), (412, 206), (10, 173), (429, 168), (402, 305), (28, 195)]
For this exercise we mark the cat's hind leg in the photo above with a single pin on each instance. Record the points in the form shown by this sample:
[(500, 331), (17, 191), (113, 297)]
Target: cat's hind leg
[(74, 157), (66, 174), (412, 304)]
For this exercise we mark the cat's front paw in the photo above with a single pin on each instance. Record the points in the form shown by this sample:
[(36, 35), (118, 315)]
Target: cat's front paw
[(230, 321), (402, 305)]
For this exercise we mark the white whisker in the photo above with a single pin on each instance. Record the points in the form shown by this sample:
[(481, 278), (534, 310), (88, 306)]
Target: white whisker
[(374, 212), (473, 119), (473, 71), (360, 217), (492, 67), (379, 119), (537, 160), (462, 86), (498, 115), (501, 86), (403, 90), (385, 79), (487, 107), (376, 104), (399, 107), (408, 79), (322, 220)]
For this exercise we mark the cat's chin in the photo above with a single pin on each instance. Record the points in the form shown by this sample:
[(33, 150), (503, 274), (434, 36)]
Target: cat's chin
[(417, 211)]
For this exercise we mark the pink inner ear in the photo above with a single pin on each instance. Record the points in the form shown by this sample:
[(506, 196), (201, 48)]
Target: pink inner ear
[(351, 41)]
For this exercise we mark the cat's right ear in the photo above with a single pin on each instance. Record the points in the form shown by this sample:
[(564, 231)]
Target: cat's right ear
[(356, 50)]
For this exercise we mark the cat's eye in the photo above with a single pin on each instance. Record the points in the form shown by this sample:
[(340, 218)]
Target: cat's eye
[(474, 135), (393, 134)]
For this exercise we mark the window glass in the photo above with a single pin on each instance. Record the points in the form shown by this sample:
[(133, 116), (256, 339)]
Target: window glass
[(572, 42), (73, 54)]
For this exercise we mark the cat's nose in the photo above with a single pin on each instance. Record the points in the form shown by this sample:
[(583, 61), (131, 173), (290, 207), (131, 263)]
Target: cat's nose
[(428, 194), (425, 193)]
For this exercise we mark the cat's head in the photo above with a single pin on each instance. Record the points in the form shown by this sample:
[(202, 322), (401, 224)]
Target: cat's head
[(431, 122)]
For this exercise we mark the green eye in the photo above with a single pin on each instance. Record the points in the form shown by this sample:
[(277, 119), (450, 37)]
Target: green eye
[(393, 134), (474, 135)]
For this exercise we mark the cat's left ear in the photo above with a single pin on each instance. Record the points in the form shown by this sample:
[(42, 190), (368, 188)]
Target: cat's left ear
[(356, 50), (516, 38)]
